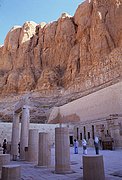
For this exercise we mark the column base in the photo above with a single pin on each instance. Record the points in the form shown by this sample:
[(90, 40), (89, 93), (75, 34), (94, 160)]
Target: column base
[(63, 172), (43, 167), (14, 157)]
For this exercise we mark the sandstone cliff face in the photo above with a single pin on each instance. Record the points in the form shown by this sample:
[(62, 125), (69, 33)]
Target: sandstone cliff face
[(78, 54)]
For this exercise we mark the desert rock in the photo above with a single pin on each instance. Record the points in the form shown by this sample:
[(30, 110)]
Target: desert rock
[(68, 58)]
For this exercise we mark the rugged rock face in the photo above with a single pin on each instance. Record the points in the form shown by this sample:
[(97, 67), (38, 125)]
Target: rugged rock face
[(68, 58)]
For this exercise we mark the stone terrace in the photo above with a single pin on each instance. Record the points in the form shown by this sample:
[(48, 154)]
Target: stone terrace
[(112, 163)]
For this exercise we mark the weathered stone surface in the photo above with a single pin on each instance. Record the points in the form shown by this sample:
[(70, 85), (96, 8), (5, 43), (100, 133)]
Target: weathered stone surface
[(4, 159), (97, 170), (12, 39), (70, 57), (56, 117), (94, 106), (11, 172)]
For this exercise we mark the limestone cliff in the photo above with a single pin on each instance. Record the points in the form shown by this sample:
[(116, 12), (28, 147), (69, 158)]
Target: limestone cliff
[(68, 58)]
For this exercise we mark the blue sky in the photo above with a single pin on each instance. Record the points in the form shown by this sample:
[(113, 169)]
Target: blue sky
[(16, 12)]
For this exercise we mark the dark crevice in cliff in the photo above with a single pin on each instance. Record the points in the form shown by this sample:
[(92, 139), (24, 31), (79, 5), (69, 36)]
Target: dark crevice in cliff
[(75, 25), (41, 61), (59, 74), (37, 31), (78, 65), (105, 18)]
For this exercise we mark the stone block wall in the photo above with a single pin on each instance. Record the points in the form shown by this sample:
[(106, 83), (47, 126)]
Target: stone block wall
[(6, 130)]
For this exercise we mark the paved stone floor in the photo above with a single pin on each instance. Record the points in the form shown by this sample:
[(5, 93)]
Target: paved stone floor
[(112, 164)]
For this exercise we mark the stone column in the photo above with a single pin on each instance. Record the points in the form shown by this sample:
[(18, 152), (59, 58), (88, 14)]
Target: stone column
[(62, 150), (4, 159), (44, 157), (15, 136), (24, 131), (93, 167), (33, 145), (11, 172)]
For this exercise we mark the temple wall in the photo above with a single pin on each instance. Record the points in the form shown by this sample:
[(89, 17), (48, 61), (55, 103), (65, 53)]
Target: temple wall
[(6, 130), (102, 128), (94, 106), (101, 110)]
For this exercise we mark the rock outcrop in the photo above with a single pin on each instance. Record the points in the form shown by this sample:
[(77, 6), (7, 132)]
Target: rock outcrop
[(70, 57)]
